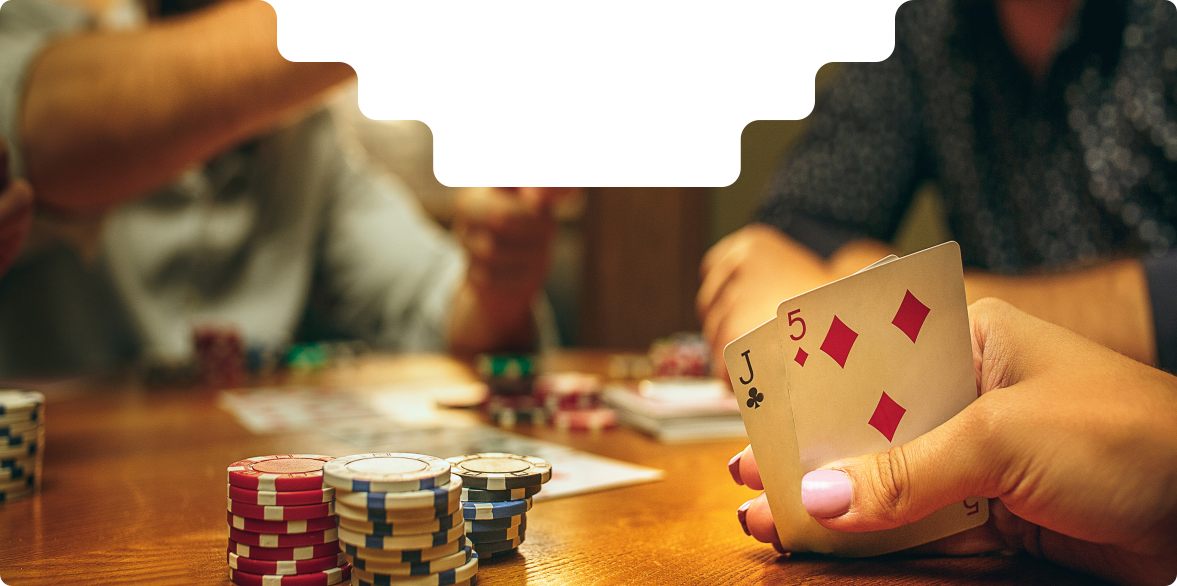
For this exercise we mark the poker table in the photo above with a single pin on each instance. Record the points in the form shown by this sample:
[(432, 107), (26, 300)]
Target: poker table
[(134, 493)]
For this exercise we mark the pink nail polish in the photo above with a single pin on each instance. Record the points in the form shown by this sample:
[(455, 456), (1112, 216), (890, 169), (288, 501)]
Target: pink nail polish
[(733, 466), (742, 515), (825, 493)]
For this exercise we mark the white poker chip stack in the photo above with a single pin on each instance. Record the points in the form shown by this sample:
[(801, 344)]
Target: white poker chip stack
[(22, 443), (400, 520), (498, 493)]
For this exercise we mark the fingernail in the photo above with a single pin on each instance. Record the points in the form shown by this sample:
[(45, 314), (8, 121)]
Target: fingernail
[(733, 466), (742, 515), (825, 493)]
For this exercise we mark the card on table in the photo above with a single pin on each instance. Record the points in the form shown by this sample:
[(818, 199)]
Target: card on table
[(857, 366)]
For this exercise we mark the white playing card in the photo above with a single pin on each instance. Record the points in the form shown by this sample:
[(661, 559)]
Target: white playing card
[(870, 362)]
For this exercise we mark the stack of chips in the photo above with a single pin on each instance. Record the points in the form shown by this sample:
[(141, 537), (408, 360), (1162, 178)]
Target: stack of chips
[(220, 355), (400, 521), (22, 438), (510, 378), (282, 525), (496, 498), (681, 355), (573, 401)]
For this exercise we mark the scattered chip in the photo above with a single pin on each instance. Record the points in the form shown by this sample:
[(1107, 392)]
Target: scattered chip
[(283, 539), (386, 472), (298, 526), (281, 513), (327, 578), (499, 471), (285, 568), (422, 541), (289, 472), (482, 511), (283, 553)]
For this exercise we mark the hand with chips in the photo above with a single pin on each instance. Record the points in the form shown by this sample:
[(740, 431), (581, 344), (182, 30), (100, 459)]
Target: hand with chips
[(507, 234), (16, 212), (1075, 445), (747, 274)]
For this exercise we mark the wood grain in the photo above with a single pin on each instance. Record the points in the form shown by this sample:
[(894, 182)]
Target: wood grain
[(134, 493)]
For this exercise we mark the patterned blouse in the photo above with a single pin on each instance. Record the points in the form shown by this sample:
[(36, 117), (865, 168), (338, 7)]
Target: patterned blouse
[(1037, 175)]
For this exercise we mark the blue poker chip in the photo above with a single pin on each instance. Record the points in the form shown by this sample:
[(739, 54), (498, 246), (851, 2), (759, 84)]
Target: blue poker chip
[(15, 495), (403, 556), (483, 511), (459, 575), (19, 428), (21, 450), (477, 537), (436, 566), (15, 404), (492, 524)]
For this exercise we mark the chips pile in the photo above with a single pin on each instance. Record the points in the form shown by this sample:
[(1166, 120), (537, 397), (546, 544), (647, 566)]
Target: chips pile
[(220, 355), (22, 438), (496, 498), (400, 520), (282, 525), (510, 378), (680, 355), (573, 401)]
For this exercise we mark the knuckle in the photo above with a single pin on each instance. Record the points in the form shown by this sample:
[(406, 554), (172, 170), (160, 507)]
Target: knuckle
[(892, 484)]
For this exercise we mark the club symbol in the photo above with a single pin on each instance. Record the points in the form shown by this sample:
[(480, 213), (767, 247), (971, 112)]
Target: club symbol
[(754, 398)]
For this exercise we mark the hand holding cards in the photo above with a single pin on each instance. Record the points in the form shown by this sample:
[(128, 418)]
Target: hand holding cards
[(857, 366)]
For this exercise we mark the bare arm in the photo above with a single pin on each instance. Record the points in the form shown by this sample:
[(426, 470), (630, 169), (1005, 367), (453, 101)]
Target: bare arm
[(110, 115)]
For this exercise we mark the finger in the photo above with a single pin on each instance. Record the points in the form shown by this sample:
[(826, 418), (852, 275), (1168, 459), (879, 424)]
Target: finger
[(16, 216), (715, 279), (749, 473), (759, 521)]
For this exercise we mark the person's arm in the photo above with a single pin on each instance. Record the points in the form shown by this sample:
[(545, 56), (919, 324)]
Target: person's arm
[(1075, 445), (109, 115)]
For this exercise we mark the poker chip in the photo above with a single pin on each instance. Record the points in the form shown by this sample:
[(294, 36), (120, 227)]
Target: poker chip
[(392, 472), (325, 578), (585, 420), (21, 462), (28, 482), (499, 471), (285, 568), (19, 428), (280, 513), (489, 496), (442, 523), (497, 534), (482, 511), (421, 541), (299, 526), (394, 515), (289, 472), (461, 573), (498, 546), (441, 564), (404, 556), (18, 472), (283, 539), (492, 524), (34, 417), (15, 402), (269, 497), (438, 498), (13, 440), (283, 553), (468, 582), (16, 495)]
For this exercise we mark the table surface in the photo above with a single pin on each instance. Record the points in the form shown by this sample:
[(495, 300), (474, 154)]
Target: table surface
[(134, 492)]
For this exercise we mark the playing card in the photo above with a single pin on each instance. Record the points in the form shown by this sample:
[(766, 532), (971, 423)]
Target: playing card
[(869, 362)]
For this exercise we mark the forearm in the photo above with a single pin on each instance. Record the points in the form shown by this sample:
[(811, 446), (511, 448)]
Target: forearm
[(108, 116), (1108, 304), (481, 325)]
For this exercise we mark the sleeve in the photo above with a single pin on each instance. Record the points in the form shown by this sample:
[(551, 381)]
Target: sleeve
[(388, 274), (26, 26), (1161, 274), (855, 171)]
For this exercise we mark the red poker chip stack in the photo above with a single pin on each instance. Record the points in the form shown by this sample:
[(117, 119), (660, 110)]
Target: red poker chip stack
[(573, 401), (220, 355), (282, 525)]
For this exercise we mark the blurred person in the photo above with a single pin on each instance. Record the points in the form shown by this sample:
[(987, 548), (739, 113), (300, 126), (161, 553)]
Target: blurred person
[(1050, 127), (269, 226), (1077, 475), (16, 212)]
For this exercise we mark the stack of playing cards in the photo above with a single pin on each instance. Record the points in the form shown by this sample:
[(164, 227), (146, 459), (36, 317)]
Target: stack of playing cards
[(860, 365)]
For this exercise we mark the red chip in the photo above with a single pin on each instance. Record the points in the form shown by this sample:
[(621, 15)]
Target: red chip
[(284, 553), (289, 472), (299, 526), (283, 539), (327, 578), (273, 568), (270, 497), (281, 513)]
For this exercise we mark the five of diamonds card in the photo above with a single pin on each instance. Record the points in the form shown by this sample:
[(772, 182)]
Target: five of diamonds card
[(857, 366)]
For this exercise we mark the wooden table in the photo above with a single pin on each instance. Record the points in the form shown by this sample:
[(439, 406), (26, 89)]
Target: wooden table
[(134, 493)]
